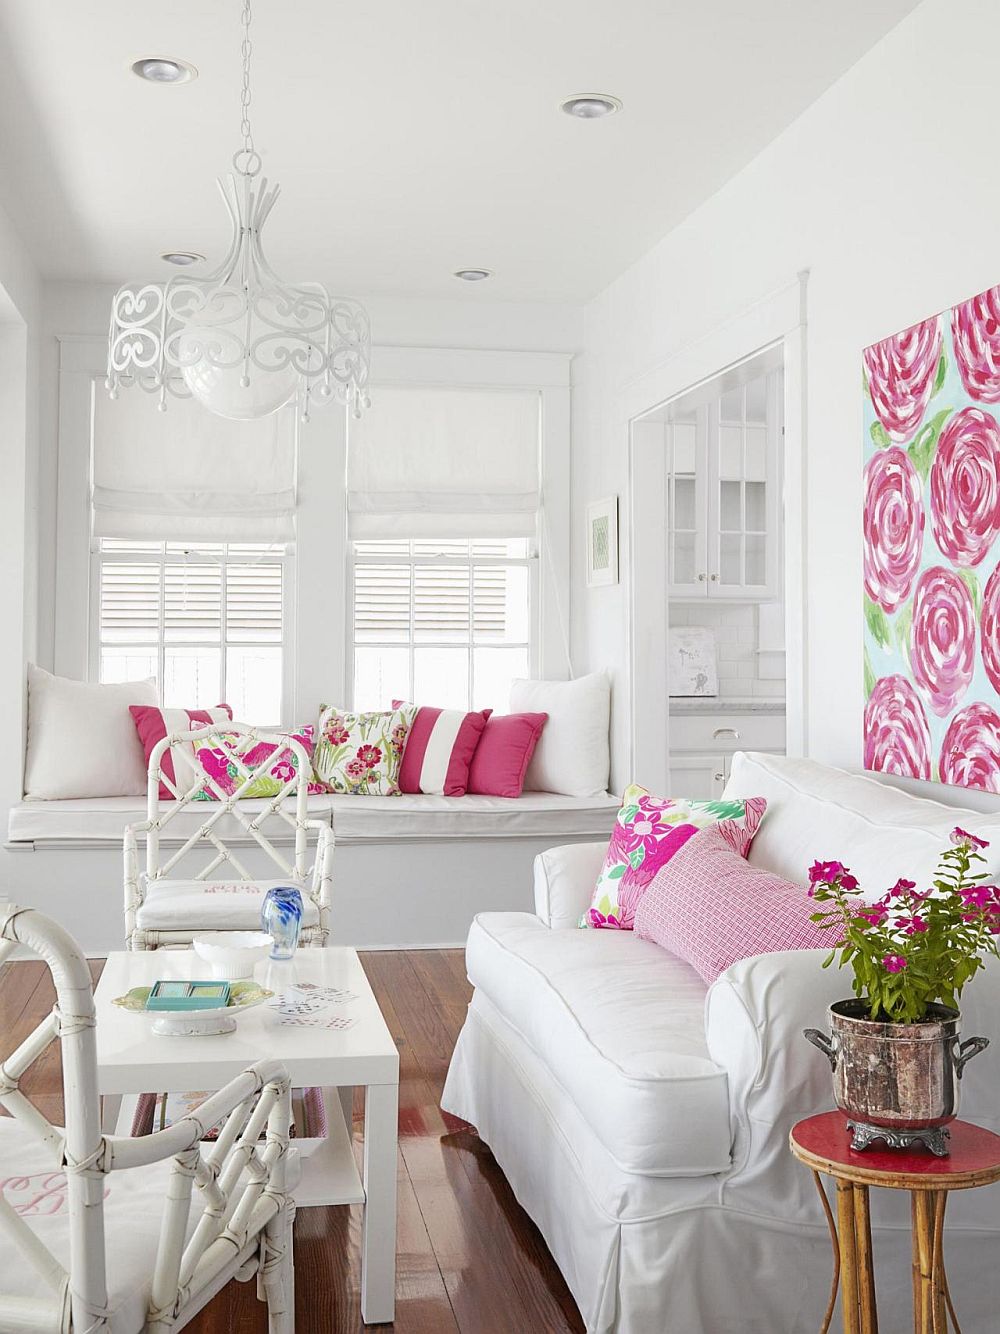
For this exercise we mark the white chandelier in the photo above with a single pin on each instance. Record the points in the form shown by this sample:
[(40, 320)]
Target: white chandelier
[(239, 340)]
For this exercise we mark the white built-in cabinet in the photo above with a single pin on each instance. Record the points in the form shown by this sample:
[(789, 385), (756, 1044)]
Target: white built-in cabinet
[(724, 495)]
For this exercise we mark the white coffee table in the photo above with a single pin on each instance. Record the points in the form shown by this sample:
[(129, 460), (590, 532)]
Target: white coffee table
[(132, 1060)]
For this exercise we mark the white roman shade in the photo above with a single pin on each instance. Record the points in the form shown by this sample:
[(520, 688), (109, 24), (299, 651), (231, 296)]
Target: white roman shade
[(188, 475), (444, 463)]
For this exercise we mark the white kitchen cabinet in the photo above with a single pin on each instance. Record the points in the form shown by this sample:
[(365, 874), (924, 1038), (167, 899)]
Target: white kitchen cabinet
[(724, 495), (702, 746), (698, 777)]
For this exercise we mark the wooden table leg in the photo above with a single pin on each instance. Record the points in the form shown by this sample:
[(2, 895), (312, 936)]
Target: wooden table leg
[(828, 1315), (848, 1258), (923, 1262), (866, 1270)]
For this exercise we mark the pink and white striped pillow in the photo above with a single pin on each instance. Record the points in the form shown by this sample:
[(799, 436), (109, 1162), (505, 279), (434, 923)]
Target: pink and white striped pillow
[(153, 724), (711, 908), (439, 750)]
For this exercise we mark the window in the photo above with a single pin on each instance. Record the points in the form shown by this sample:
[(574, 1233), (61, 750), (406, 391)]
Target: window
[(208, 623), (441, 621)]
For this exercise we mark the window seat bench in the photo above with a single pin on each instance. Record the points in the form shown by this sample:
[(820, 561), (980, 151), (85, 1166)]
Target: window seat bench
[(409, 871)]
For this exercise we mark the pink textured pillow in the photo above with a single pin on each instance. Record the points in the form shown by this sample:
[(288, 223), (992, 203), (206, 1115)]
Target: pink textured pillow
[(439, 750), (153, 724), (504, 753), (711, 908)]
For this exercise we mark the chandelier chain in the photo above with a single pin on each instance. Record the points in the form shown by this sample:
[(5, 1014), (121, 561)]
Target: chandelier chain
[(246, 51)]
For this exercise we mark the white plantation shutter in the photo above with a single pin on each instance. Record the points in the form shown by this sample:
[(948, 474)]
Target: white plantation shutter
[(185, 475), (445, 463)]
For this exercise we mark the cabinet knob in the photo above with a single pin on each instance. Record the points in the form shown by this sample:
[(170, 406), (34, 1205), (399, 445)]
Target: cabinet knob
[(720, 778), (714, 578), (702, 578), (725, 731)]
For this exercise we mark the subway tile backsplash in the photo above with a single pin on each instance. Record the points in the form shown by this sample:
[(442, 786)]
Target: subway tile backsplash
[(740, 665)]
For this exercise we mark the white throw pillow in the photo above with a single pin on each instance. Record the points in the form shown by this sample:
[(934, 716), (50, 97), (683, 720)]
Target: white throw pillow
[(573, 754), (82, 741)]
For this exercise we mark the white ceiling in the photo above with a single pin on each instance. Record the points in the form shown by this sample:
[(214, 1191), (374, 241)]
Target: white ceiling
[(410, 137)]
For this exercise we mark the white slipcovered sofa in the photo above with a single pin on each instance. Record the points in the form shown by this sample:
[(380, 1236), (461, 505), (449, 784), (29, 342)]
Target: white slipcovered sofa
[(642, 1119)]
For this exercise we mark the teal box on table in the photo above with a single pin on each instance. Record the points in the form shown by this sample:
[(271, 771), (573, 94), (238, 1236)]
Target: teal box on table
[(175, 995)]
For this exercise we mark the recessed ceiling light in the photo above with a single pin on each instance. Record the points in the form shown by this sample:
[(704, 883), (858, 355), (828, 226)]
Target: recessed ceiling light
[(159, 69), (473, 275), (182, 258), (591, 106)]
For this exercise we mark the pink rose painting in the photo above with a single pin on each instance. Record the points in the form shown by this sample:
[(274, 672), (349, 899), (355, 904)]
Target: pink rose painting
[(931, 548), (900, 372)]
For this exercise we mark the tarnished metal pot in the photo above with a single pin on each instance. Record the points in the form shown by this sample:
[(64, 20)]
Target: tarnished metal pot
[(901, 1076)]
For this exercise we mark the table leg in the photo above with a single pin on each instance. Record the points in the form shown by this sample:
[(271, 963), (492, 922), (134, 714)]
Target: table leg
[(866, 1270), (849, 1305), (923, 1262), (378, 1234), (111, 1104), (828, 1315)]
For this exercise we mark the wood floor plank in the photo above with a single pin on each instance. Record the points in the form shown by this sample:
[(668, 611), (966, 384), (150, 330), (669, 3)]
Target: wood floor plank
[(469, 1260)]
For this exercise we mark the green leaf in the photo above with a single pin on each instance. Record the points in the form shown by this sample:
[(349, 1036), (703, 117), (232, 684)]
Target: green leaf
[(879, 435), (969, 578), (869, 676), (877, 623), (636, 858), (921, 451), (942, 374), (616, 872), (901, 630)]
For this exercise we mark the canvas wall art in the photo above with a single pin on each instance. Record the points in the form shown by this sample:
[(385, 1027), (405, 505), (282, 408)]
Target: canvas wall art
[(931, 548)]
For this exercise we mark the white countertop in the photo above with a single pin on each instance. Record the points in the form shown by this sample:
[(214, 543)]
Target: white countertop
[(713, 705)]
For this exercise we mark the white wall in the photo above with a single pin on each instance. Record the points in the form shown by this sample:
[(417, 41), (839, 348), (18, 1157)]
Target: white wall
[(885, 190)]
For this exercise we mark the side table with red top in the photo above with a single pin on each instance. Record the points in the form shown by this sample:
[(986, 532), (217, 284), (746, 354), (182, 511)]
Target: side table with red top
[(823, 1143)]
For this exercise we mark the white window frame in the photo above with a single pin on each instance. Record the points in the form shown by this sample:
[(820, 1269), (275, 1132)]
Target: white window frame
[(531, 562), (285, 558)]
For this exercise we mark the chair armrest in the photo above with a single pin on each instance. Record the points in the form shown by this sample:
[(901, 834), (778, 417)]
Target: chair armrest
[(564, 882)]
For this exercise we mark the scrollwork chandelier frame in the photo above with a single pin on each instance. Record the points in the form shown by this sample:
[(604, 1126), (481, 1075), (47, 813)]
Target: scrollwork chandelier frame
[(238, 337)]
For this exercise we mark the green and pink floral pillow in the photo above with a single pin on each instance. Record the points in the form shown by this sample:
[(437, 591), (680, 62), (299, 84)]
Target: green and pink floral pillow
[(277, 766), (648, 832), (360, 753)]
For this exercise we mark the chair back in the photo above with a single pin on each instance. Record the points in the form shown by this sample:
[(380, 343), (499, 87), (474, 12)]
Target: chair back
[(77, 1150), (218, 769)]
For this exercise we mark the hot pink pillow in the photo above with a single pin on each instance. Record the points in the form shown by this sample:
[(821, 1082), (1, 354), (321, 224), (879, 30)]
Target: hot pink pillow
[(439, 750), (711, 908), (504, 753), (153, 724)]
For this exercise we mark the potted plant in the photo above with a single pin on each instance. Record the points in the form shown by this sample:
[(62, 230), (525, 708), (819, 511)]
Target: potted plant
[(894, 1046)]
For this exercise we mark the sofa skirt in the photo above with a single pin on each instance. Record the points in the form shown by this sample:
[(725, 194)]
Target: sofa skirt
[(679, 1255)]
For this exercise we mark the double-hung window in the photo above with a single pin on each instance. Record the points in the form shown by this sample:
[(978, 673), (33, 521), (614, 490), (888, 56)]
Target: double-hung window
[(208, 623), (443, 501), (447, 621), (193, 540)]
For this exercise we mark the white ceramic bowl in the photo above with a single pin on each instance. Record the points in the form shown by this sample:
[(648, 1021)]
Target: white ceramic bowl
[(232, 954)]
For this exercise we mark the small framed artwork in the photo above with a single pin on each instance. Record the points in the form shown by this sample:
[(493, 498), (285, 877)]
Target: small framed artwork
[(602, 542)]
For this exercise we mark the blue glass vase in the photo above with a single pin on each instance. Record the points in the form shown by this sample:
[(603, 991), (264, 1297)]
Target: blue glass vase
[(281, 918)]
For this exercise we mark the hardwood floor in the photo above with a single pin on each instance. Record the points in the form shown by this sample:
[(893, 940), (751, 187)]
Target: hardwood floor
[(469, 1260)]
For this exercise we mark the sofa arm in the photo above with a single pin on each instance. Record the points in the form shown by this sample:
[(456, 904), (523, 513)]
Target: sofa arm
[(754, 1017), (564, 882)]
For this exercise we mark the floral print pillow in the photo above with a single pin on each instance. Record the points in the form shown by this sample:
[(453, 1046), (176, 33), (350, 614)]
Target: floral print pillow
[(360, 754), (648, 832), (272, 779)]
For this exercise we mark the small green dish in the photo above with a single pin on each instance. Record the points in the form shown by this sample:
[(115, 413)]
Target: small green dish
[(242, 995)]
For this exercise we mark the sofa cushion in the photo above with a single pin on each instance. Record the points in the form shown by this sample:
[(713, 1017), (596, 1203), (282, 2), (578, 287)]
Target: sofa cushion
[(620, 1024), (214, 905), (881, 833)]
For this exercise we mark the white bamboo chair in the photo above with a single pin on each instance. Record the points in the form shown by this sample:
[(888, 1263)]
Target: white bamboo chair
[(101, 1233), (164, 909)]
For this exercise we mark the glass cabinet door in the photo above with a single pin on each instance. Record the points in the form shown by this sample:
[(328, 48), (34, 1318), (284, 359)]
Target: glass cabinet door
[(687, 546), (743, 490)]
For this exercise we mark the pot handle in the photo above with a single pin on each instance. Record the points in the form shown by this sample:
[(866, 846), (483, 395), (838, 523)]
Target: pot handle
[(828, 1046), (966, 1050)]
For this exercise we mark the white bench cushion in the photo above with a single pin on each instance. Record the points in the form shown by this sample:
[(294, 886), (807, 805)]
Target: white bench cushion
[(355, 819), (620, 1024), (133, 1209), (213, 905)]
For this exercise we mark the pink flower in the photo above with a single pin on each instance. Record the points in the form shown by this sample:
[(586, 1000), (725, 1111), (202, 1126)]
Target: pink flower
[(874, 915), (216, 765), (284, 770), (942, 637), (355, 770), (369, 756), (965, 486), (598, 920), (893, 527), (960, 835), (647, 830), (900, 888), (989, 629), (897, 737), (975, 334), (901, 372), (825, 873), (976, 896), (970, 752), (336, 733), (913, 925), (894, 963)]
